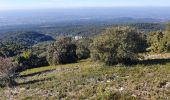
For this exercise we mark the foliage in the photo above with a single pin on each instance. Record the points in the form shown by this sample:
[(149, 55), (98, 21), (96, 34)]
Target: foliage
[(26, 38), (7, 72), (159, 41), (155, 40), (16, 42), (27, 54), (166, 43), (62, 51), (118, 45), (10, 49), (29, 60), (83, 50), (41, 48)]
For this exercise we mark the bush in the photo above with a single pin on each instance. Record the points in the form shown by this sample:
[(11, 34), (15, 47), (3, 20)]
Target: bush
[(63, 51), (83, 51), (29, 60), (8, 72), (155, 40), (165, 46), (159, 41), (118, 45), (166, 42)]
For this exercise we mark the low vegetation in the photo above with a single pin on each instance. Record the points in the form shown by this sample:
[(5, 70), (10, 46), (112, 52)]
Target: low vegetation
[(116, 65), (92, 80), (159, 41), (7, 72)]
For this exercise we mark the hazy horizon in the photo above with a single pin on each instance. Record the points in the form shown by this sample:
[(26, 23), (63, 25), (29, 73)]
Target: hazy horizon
[(21, 12), (10, 5), (139, 12)]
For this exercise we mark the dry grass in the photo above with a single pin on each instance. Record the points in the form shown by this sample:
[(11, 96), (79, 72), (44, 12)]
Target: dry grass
[(89, 80)]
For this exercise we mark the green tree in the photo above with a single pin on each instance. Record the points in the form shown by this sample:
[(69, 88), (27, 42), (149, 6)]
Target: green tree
[(160, 41), (62, 51), (118, 45), (8, 72), (10, 49), (165, 44), (83, 51), (155, 40), (29, 60)]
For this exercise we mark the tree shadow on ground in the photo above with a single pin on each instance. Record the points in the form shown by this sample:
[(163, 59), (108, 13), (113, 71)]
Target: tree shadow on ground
[(154, 61), (37, 73), (34, 81)]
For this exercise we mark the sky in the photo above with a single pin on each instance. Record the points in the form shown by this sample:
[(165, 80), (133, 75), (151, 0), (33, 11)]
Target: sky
[(45, 4)]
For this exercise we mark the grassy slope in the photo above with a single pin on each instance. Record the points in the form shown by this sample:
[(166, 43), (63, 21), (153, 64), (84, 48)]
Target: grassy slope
[(89, 80)]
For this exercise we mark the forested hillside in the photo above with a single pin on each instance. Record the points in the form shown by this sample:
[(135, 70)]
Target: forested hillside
[(86, 61), (74, 28), (17, 42), (26, 38), (84, 50)]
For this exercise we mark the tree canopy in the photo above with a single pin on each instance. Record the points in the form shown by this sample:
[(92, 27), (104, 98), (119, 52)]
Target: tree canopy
[(118, 45)]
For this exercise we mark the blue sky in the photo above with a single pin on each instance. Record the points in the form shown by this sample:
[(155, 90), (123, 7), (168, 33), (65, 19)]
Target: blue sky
[(42, 4)]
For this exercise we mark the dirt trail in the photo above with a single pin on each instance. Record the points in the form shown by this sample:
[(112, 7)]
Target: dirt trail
[(158, 56)]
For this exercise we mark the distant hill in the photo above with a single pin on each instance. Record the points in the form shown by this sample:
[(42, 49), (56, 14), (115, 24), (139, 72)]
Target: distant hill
[(84, 28), (26, 38), (33, 17)]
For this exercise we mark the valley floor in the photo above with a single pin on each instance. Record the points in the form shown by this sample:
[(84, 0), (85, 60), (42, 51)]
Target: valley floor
[(93, 81)]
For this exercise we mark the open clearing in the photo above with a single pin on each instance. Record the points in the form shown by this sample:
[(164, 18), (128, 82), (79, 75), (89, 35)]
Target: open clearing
[(90, 80)]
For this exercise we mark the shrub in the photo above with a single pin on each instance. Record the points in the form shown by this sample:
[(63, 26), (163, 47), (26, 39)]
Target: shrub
[(159, 41), (118, 45), (155, 40), (165, 42), (165, 46), (7, 72), (29, 60), (62, 51), (83, 51)]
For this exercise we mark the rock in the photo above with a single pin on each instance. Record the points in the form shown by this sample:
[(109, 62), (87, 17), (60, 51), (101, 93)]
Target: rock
[(121, 89), (108, 81), (133, 95), (167, 85), (163, 84)]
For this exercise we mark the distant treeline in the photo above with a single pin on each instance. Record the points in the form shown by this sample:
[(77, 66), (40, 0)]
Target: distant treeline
[(79, 28)]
